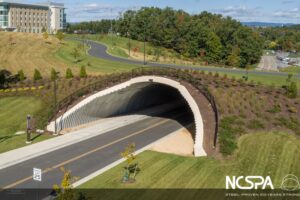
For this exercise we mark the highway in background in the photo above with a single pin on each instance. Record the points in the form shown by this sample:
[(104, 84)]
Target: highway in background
[(100, 51)]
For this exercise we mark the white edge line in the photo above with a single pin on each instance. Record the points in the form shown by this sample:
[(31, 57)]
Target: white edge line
[(106, 168)]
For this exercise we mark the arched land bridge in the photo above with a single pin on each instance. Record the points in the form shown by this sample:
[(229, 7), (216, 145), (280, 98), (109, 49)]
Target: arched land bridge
[(149, 89)]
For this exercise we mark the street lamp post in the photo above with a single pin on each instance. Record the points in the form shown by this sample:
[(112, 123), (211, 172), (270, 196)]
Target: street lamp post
[(28, 139), (129, 44), (144, 46), (55, 104)]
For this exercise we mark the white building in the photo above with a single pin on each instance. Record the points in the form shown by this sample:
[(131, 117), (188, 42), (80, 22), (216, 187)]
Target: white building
[(33, 18)]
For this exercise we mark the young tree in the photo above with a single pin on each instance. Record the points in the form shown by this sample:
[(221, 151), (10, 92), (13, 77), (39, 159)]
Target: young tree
[(69, 74), (130, 168), (76, 54), (37, 75), (83, 73), (292, 90), (65, 190), (234, 59), (44, 30), (4, 77), (21, 75), (60, 35), (53, 74), (45, 35)]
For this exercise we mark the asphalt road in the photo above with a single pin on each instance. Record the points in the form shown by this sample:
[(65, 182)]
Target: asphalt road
[(269, 63), (100, 51), (88, 156)]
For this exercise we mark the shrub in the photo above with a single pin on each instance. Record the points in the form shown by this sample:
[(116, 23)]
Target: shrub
[(276, 109), (60, 35), (292, 90), (292, 109), (69, 73), (83, 73), (255, 124), (54, 75), (21, 75), (37, 75), (290, 123)]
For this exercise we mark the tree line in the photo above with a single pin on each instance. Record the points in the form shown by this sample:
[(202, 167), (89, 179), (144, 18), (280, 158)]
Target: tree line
[(281, 38), (208, 37)]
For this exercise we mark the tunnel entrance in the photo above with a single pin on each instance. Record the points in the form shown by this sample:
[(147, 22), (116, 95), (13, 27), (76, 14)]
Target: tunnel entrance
[(147, 95), (151, 99)]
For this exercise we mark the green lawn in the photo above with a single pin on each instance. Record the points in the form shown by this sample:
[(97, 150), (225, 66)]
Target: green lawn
[(268, 154), (93, 65), (13, 112), (262, 78), (292, 69)]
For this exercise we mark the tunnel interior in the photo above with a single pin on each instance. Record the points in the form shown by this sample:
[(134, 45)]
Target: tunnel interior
[(146, 98)]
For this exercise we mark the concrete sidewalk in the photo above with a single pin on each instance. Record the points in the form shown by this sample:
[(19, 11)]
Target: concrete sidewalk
[(101, 126)]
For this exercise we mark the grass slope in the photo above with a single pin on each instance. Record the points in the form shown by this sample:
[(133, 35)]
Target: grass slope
[(292, 69), (28, 51), (13, 112), (93, 65), (274, 154)]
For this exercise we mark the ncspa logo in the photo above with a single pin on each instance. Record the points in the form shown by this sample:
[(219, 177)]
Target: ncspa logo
[(249, 182)]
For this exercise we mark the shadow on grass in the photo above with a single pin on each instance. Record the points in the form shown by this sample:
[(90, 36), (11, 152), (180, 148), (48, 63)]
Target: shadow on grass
[(4, 138), (35, 137), (7, 137)]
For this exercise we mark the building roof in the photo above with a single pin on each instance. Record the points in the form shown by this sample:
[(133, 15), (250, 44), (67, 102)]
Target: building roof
[(38, 5)]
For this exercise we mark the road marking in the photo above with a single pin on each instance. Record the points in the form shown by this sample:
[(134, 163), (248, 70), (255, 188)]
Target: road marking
[(87, 153)]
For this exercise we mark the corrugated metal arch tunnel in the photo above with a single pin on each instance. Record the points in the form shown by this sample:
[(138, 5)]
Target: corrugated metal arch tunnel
[(133, 96)]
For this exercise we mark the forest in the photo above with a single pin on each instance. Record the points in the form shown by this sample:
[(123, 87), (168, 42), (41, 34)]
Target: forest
[(281, 38), (209, 37)]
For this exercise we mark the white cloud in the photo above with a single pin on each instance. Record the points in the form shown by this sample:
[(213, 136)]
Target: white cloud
[(293, 13), (245, 14), (288, 2), (238, 11), (93, 11)]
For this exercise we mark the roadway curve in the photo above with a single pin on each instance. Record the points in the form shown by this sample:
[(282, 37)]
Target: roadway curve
[(99, 50), (87, 156)]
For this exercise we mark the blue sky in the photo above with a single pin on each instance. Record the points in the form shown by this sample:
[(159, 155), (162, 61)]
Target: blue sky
[(281, 11)]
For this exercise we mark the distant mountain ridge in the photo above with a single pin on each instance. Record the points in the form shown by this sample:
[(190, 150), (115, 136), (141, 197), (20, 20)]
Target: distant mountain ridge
[(266, 24)]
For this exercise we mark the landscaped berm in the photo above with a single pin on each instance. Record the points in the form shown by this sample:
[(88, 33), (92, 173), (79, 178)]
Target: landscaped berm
[(258, 133)]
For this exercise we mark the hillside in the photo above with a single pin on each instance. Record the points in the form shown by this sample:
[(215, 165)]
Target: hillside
[(29, 51)]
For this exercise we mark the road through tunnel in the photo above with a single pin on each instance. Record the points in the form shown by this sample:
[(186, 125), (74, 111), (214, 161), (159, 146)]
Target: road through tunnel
[(146, 95)]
